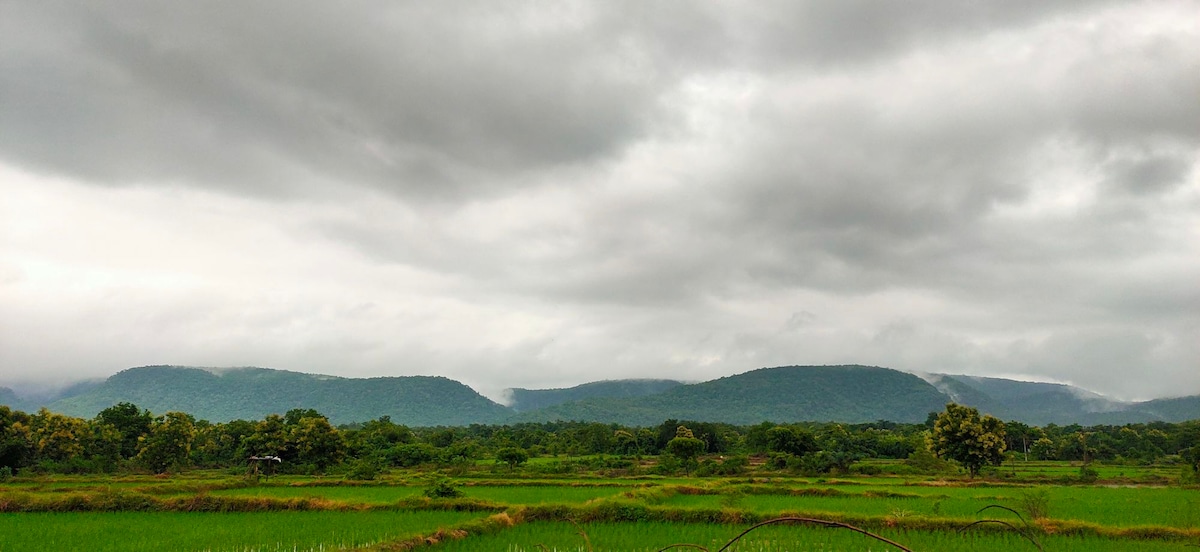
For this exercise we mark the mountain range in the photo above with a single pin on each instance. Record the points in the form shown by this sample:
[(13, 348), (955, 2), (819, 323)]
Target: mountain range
[(850, 394)]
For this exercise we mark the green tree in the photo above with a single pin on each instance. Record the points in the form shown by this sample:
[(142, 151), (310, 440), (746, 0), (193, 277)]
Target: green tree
[(513, 456), (315, 442), (685, 448), (961, 434), (790, 440), (55, 437), (169, 442), (130, 422), (16, 448)]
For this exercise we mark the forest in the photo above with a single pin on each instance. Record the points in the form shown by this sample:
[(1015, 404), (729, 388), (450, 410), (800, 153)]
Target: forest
[(126, 438)]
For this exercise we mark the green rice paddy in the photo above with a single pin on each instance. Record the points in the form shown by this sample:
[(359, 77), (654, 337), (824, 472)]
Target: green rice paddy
[(206, 511)]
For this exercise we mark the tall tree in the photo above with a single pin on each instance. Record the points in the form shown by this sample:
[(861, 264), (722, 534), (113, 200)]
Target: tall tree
[(961, 434), (130, 422), (169, 442)]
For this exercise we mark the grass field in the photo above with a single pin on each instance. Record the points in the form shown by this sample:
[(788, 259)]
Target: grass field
[(1129, 509), (241, 532), (647, 537)]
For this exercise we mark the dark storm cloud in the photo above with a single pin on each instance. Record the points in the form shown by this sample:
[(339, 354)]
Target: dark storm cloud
[(268, 97), (935, 186)]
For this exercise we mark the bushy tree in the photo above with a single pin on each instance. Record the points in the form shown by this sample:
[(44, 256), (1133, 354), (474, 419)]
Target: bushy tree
[(131, 422), (15, 445), (685, 447), (169, 442), (791, 440), (513, 456), (961, 434), (55, 437), (315, 442)]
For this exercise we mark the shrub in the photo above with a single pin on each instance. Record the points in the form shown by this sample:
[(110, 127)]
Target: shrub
[(443, 488), (365, 469), (1036, 504)]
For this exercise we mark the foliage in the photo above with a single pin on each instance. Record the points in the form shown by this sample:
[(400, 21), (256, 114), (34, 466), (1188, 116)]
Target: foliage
[(532, 399), (960, 434), (252, 393), (443, 488), (782, 394), (1036, 503), (788, 440), (168, 444), (363, 469), (130, 422), (512, 456)]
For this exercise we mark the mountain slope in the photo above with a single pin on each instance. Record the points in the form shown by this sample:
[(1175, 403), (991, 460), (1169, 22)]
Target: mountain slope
[(783, 394), (1171, 410), (524, 400), (1040, 403), (252, 393)]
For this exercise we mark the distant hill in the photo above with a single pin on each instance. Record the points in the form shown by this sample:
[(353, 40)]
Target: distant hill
[(783, 394), (32, 401), (252, 393), (9, 398), (1044, 403), (1171, 410), (524, 400)]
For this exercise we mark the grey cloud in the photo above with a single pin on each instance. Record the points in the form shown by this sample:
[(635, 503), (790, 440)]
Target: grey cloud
[(985, 187)]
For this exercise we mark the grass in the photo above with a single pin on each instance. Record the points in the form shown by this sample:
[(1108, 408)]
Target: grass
[(1130, 510), (241, 532), (651, 536)]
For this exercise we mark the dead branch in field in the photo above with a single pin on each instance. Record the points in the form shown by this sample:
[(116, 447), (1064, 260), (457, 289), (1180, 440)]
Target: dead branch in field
[(1025, 531)]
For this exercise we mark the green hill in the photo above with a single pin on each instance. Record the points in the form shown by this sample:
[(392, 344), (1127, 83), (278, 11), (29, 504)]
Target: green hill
[(252, 393), (1044, 403), (783, 394), (1172, 410), (524, 400)]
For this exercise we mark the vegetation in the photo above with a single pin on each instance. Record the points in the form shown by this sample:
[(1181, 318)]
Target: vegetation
[(961, 434), (932, 485), (252, 393), (524, 400), (788, 394)]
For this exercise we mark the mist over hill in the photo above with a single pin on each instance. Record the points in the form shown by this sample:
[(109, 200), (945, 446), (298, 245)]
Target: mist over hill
[(522, 400), (850, 393)]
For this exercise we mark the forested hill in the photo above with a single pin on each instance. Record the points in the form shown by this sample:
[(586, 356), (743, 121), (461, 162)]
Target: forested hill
[(252, 393), (784, 394), (523, 400)]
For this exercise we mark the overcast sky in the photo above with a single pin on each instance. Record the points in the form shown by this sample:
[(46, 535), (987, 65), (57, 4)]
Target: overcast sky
[(540, 194)]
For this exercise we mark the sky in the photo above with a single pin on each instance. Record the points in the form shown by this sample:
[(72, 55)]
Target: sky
[(541, 194)]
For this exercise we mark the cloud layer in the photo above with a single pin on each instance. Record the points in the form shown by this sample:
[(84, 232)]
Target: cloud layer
[(548, 193)]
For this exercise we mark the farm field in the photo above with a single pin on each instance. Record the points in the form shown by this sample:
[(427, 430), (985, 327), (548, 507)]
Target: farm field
[(1131, 510), (216, 532)]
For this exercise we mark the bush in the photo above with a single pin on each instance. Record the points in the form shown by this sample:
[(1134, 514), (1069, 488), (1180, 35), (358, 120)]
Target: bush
[(778, 460), (1036, 504), (815, 463), (1188, 475), (365, 469), (734, 465), (924, 461), (443, 488), (1087, 474), (6, 473)]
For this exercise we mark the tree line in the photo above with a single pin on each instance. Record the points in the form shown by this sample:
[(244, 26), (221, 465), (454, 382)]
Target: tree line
[(126, 438)]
